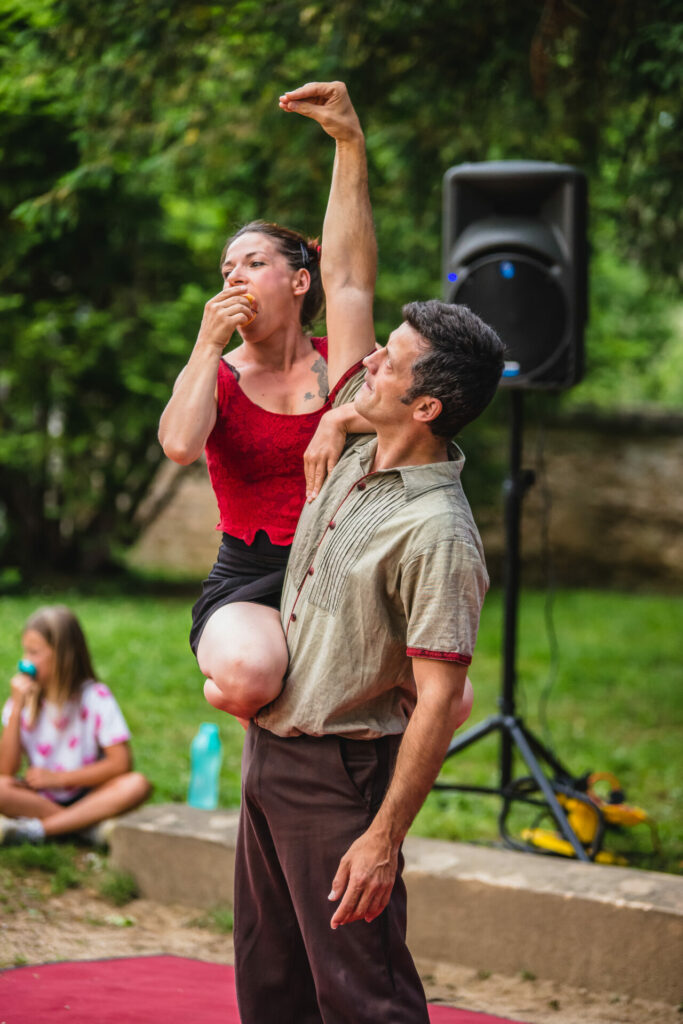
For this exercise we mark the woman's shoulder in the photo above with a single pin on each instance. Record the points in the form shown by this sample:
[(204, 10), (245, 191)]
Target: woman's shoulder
[(320, 345)]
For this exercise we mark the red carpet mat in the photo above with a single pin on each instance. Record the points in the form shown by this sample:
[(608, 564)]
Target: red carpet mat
[(142, 990)]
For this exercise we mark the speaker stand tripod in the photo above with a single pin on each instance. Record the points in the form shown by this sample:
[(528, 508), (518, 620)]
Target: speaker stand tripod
[(514, 735)]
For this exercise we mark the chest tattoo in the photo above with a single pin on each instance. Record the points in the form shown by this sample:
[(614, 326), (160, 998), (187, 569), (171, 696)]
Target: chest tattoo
[(308, 396), (320, 370)]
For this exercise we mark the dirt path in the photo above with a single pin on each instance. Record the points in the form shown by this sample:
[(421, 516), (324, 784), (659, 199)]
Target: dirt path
[(79, 925)]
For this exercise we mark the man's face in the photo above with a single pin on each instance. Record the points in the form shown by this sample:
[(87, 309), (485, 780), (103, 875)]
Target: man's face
[(389, 376)]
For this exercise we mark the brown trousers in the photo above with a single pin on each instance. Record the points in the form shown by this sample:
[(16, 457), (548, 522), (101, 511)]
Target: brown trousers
[(304, 801)]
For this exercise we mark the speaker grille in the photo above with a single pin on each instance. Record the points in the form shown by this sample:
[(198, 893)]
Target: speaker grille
[(521, 300)]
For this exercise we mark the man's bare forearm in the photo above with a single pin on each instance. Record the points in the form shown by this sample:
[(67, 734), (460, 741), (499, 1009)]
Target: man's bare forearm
[(367, 871), (419, 761)]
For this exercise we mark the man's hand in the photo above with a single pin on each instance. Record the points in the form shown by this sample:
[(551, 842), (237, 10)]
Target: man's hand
[(329, 104), (364, 878)]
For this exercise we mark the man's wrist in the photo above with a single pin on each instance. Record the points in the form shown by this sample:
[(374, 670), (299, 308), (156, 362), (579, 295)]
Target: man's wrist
[(387, 831)]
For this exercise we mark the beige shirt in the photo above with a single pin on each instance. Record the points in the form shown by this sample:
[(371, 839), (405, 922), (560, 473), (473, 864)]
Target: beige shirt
[(385, 566)]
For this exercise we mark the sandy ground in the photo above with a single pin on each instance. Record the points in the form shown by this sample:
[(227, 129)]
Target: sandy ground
[(79, 925)]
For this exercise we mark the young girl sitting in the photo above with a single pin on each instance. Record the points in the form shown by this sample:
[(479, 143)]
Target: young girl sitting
[(72, 732)]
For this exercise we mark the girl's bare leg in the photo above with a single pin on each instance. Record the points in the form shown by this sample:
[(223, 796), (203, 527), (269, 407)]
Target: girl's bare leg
[(243, 654), (17, 800), (116, 796), (120, 794)]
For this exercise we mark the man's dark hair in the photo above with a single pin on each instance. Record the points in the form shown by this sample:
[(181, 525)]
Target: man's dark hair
[(461, 366)]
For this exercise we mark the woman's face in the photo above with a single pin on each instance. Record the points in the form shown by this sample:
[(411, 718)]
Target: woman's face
[(254, 260), (38, 651)]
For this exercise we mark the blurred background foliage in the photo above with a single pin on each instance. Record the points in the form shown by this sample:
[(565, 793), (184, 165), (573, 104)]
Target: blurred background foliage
[(135, 137)]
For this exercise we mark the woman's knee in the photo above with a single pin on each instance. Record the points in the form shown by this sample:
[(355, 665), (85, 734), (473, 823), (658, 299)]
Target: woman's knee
[(243, 673), (465, 703)]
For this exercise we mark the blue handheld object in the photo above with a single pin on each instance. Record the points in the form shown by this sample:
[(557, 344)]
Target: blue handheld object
[(27, 667)]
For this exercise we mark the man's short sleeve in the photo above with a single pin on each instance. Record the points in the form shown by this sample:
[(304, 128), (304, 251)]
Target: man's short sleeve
[(443, 589)]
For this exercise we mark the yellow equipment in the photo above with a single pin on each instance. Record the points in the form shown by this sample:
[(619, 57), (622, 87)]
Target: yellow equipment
[(587, 815)]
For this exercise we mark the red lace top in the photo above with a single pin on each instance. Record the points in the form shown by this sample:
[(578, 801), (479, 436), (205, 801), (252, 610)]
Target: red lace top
[(255, 460)]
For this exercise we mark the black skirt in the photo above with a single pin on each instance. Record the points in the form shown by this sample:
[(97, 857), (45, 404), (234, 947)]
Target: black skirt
[(242, 572)]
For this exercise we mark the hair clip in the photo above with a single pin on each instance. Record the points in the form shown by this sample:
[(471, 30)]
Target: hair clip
[(305, 258)]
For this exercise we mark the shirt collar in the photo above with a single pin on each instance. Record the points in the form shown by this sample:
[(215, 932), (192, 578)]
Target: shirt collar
[(416, 479)]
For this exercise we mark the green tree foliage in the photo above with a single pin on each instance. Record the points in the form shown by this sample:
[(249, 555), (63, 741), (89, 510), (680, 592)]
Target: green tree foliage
[(136, 136)]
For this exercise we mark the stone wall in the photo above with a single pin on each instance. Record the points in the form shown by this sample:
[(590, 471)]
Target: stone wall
[(615, 516)]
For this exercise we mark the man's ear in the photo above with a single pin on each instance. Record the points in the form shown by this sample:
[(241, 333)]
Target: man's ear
[(301, 281), (427, 409)]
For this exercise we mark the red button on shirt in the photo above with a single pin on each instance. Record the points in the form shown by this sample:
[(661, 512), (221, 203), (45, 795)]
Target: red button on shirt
[(310, 571), (293, 617), (361, 486), (332, 525)]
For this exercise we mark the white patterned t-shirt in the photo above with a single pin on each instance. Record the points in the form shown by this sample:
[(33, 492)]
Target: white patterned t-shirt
[(64, 739)]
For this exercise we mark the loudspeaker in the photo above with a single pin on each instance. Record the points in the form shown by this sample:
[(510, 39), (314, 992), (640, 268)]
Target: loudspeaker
[(515, 252)]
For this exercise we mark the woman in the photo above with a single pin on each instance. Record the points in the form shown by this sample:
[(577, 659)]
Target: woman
[(255, 415)]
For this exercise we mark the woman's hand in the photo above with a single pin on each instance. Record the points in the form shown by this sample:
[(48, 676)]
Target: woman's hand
[(323, 451), (223, 314), (329, 104)]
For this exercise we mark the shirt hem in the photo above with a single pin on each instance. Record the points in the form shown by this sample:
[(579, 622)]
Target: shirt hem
[(422, 652)]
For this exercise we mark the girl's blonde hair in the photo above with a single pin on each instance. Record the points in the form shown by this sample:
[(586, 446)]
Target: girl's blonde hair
[(60, 628)]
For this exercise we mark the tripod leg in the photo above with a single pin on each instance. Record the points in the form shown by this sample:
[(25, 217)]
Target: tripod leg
[(534, 767), (477, 732), (541, 751)]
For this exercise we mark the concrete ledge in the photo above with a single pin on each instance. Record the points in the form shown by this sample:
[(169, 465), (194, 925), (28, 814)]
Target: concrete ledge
[(593, 926)]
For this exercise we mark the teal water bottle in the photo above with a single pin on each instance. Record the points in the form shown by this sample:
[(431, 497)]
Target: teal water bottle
[(205, 758)]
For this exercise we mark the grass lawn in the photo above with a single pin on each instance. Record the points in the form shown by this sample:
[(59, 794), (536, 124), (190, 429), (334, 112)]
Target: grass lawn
[(615, 705)]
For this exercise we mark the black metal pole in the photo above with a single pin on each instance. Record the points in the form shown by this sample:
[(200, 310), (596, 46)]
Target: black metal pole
[(513, 734), (514, 492)]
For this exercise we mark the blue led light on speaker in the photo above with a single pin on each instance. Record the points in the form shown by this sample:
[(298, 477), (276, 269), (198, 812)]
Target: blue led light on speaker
[(452, 277), (511, 369), (507, 270)]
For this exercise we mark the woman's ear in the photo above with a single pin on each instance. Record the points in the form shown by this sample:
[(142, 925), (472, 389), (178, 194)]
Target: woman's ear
[(301, 281)]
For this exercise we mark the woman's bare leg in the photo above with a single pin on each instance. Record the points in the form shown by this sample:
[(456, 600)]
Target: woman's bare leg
[(466, 703), (243, 654)]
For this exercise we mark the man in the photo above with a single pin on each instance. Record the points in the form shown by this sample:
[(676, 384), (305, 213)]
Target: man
[(381, 606)]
